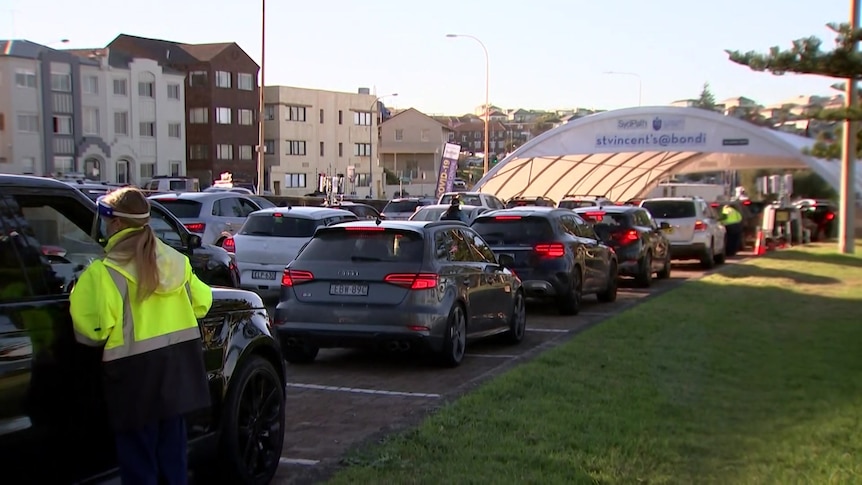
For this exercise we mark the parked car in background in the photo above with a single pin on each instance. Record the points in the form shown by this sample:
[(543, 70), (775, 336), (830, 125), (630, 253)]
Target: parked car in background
[(530, 201), (238, 190), (271, 238), (576, 201), (164, 183), (214, 216), (262, 202), (695, 231), (640, 242), (556, 254), (399, 285), (402, 209), (473, 198), (750, 220), (50, 386), (362, 211), (824, 215), (433, 212)]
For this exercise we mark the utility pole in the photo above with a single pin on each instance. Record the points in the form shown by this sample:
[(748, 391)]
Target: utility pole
[(846, 229), (261, 149)]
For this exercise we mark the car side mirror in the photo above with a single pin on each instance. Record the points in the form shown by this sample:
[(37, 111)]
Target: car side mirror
[(506, 261), (195, 241), (664, 225)]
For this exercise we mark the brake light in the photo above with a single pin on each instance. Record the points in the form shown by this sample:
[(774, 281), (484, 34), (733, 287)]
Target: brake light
[(420, 281), (507, 218), (278, 214), (628, 237), (551, 250), (364, 229), (714, 204), (699, 226), (596, 216), (197, 227), (293, 277), (53, 251), (830, 216), (229, 245), (746, 202)]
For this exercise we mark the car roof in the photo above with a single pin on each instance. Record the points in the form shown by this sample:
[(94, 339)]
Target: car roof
[(415, 226), (33, 181), (309, 212), (672, 199), (446, 206), (524, 211), (199, 196), (608, 208), (464, 193)]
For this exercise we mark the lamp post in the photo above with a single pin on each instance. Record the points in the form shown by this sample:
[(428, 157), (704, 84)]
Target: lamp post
[(372, 109), (487, 84), (261, 149), (848, 157), (638, 76)]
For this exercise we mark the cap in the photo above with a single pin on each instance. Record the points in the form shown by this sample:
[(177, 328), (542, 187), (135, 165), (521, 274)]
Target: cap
[(106, 210)]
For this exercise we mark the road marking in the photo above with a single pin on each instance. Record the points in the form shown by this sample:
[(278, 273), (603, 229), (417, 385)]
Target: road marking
[(492, 356), (297, 461), (548, 330), (355, 390)]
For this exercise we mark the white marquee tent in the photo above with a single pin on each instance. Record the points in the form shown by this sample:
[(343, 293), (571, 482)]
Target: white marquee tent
[(623, 154)]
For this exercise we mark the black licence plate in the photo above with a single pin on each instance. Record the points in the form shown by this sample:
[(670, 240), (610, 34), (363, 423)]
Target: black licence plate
[(263, 275), (348, 289)]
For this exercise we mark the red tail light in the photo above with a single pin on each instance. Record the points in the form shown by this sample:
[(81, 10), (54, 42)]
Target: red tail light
[(421, 281), (596, 216), (364, 229), (714, 204), (699, 226), (197, 227), (627, 237), (551, 250), (746, 202), (507, 218), (293, 277), (229, 245), (830, 216)]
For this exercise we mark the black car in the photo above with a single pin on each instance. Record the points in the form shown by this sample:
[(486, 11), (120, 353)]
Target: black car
[(53, 418), (640, 243), (824, 216), (555, 253)]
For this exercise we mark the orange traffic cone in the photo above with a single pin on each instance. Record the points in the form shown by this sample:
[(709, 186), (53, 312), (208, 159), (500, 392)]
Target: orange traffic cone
[(760, 245)]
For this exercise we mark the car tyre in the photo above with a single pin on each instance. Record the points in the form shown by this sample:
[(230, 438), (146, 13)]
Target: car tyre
[(610, 293), (300, 354), (570, 303), (518, 320), (665, 270), (455, 343), (644, 276), (252, 425), (721, 257), (707, 261)]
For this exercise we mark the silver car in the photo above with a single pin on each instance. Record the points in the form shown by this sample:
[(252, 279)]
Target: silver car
[(402, 209), (215, 216), (399, 285), (434, 212), (694, 229)]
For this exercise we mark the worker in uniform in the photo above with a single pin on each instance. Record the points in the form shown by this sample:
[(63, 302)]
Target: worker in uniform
[(141, 305), (454, 212), (732, 220)]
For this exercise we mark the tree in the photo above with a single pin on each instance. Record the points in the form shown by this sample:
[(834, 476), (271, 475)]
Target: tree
[(706, 99), (543, 123)]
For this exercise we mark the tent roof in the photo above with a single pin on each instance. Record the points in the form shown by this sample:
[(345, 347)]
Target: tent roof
[(622, 154)]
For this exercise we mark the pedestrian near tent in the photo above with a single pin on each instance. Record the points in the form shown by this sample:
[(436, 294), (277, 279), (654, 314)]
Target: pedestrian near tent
[(732, 220), (141, 304)]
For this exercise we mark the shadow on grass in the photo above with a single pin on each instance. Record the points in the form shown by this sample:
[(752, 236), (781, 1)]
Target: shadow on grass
[(811, 257), (751, 271)]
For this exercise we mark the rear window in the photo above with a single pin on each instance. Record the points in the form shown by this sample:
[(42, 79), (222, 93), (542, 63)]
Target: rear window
[(606, 218), (183, 209), (386, 245), (429, 214), (575, 204), (670, 209), (277, 225), (502, 230), (465, 199), (401, 206)]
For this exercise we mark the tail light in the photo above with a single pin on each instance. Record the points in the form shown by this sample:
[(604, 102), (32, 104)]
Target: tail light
[(507, 218), (699, 226), (293, 277), (413, 281), (364, 229), (229, 245), (550, 250), (627, 237), (595, 216), (746, 202), (197, 227), (830, 216)]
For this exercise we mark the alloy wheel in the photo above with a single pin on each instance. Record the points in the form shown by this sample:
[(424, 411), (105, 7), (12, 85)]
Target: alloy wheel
[(259, 424)]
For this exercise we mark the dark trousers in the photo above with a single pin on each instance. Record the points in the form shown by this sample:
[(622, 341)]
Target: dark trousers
[(733, 239), (154, 454)]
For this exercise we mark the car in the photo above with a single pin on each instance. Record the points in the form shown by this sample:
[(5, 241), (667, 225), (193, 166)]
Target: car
[(472, 198), (397, 285), (751, 220), (695, 231), (50, 386), (402, 209), (576, 201), (362, 211), (823, 214), (557, 255), (640, 242), (271, 238), (213, 215), (530, 201), (165, 183), (434, 212), (262, 202)]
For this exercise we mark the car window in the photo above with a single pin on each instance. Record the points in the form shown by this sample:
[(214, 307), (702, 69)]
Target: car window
[(387, 245), (569, 225), (246, 206), (401, 206), (576, 204), (451, 245), (177, 185), (276, 224), (514, 230), (182, 208), (227, 207), (428, 214), (465, 199), (585, 229), (165, 230), (20, 258), (478, 247), (670, 209), (152, 185)]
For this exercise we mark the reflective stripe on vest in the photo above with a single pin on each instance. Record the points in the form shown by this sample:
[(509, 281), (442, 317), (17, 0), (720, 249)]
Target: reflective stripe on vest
[(131, 346)]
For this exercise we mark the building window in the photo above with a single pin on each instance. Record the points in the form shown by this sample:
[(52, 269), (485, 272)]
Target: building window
[(425, 135), (340, 149), (224, 152), (295, 147), (340, 117), (269, 146), (91, 85), (175, 130), (176, 168), (92, 168), (147, 89), (223, 116), (245, 152), (223, 79), (269, 112), (198, 152), (91, 121), (321, 116), (321, 149), (245, 116), (123, 172), (28, 165), (120, 87), (362, 149), (245, 81), (25, 79), (199, 116), (294, 181), (28, 123), (362, 180), (62, 125), (399, 135), (64, 165), (198, 79), (61, 82), (173, 91), (295, 113), (148, 171), (362, 118), (121, 123), (147, 128)]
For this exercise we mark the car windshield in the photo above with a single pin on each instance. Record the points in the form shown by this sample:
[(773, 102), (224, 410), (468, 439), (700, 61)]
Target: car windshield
[(465, 199), (428, 214), (278, 225), (513, 230), (181, 208), (574, 204), (670, 209), (401, 206), (364, 246)]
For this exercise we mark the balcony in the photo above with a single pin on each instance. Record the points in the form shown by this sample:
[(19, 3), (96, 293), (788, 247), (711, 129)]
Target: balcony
[(64, 146), (62, 103)]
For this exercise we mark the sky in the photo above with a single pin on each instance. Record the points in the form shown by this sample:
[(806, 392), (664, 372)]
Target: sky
[(544, 54)]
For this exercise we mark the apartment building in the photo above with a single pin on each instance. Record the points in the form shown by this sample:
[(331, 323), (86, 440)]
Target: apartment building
[(471, 136), (221, 103), (411, 144), (310, 131)]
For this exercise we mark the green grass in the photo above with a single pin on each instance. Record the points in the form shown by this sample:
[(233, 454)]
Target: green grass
[(750, 376)]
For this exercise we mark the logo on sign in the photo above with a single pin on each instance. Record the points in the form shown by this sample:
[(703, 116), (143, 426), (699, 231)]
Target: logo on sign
[(656, 124), (632, 124)]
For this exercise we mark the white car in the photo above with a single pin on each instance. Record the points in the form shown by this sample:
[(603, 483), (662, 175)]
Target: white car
[(473, 198), (695, 231), (271, 238)]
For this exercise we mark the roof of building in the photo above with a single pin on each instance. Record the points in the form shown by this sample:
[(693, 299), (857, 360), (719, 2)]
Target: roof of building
[(396, 115), (479, 125), (168, 51), (30, 50)]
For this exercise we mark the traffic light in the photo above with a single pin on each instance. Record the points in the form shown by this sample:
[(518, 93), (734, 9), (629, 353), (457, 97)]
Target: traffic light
[(494, 160)]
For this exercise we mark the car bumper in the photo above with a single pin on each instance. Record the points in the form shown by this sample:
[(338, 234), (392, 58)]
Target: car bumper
[(690, 250), (543, 286), (266, 288), (628, 259)]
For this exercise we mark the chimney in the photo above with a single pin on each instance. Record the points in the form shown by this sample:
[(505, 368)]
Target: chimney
[(364, 91)]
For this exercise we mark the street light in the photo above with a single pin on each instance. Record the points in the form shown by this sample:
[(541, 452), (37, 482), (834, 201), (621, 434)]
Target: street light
[(261, 149), (487, 84), (640, 82), (371, 143)]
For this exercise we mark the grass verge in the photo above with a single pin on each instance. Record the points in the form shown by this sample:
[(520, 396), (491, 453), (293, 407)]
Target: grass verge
[(749, 376)]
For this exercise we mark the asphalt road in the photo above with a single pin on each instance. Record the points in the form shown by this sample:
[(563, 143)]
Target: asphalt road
[(351, 398)]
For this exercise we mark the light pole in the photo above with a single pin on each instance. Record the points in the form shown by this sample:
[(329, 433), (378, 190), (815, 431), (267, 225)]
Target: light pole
[(487, 84), (374, 109), (848, 157), (261, 149), (638, 76)]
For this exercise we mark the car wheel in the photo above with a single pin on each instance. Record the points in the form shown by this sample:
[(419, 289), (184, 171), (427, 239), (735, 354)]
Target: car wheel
[(721, 257), (644, 276), (300, 354), (252, 427), (518, 320), (707, 261), (665, 270), (610, 293), (570, 304), (455, 343)]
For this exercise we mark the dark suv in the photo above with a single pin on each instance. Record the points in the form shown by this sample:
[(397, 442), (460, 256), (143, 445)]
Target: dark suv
[(53, 425), (554, 252)]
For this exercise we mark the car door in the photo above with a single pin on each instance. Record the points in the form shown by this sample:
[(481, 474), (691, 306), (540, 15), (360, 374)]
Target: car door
[(596, 255), (715, 226), (227, 214), (496, 292), (453, 253), (657, 240)]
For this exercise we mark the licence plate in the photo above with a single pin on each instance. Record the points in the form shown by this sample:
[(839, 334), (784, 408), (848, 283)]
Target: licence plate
[(347, 289), (263, 275)]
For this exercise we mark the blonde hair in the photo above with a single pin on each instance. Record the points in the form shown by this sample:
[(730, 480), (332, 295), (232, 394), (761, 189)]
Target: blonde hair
[(139, 247)]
